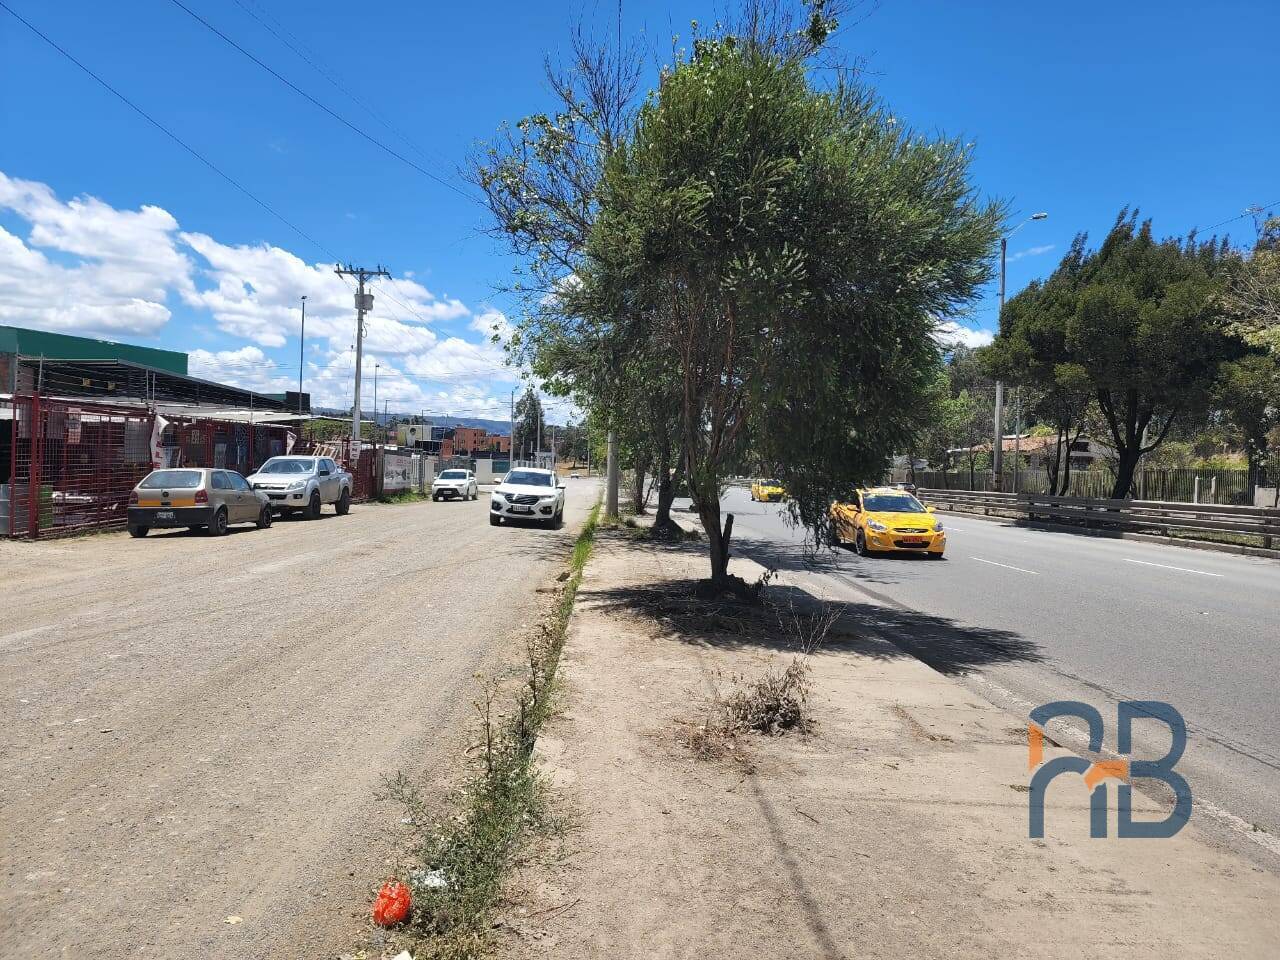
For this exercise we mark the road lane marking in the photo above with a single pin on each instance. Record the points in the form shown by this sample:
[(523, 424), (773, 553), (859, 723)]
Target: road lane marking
[(1006, 566), (1165, 566)]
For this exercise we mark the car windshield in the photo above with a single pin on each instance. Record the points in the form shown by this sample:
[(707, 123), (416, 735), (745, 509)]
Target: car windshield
[(280, 465), (454, 475), (171, 478), (770, 483), (529, 478), (892, 503)]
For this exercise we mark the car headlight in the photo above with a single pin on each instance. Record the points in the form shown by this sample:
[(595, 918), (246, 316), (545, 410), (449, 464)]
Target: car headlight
[(877, 526), (938, 527), (297, 484)]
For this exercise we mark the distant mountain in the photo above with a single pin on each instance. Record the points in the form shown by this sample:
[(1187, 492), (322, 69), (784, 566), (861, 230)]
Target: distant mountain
[(501, 428)]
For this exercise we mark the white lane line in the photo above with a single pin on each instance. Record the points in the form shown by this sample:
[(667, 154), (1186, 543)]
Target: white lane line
[(1006, 566), (1165, 566)]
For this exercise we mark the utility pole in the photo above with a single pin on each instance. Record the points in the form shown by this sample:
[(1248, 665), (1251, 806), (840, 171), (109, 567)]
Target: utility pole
[(302, 350), (611, 477), (997, 451), (375, 398), (364, 303), (511, 446)]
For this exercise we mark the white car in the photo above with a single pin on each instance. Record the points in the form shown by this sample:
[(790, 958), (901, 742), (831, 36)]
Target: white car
[(455, 485), (528, 494), (303, 484)]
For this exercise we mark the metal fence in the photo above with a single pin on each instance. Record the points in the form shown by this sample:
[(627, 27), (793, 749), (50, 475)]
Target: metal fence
[(1178, 485), (1260, 525), (66, 466), (72, 466)]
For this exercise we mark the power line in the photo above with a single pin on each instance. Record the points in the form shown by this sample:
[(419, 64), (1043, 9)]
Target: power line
[(337, 116), (171, 135), (312, 59), (1251, 211)]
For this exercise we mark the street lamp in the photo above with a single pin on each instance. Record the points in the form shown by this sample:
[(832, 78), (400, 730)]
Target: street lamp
[(302, 350), (997, 449)]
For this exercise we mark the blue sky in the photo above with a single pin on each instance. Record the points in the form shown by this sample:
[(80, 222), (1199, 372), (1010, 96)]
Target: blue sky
[(110, 229)]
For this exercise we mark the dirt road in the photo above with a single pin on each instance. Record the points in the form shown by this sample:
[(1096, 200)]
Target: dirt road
[(194, 728)]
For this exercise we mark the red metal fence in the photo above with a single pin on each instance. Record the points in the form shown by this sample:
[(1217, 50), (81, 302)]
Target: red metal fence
[(72, 466), (67, 466)]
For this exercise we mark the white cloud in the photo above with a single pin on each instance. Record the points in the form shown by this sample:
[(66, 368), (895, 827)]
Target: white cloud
[(1032, 252), (120, 264), (85, 267), (949, 333)]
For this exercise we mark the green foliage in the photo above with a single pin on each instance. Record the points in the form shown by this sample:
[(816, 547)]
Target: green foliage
[(524, 440), (1136, 325), (786, 252)]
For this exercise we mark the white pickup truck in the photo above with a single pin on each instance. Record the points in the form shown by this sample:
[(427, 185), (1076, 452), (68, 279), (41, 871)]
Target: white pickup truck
[(303, 483)]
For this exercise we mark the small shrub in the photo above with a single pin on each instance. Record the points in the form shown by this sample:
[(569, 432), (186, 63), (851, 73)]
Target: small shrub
[(773, 704)]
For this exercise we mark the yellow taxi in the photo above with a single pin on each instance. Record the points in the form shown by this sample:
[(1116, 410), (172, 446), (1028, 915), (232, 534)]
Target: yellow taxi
[(885, 520), (766, 490)]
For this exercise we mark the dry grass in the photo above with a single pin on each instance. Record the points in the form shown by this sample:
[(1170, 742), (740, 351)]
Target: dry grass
[(772, 704)]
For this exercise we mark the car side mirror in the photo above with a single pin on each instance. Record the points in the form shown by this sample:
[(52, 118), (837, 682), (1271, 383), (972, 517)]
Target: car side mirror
[(324, 473)]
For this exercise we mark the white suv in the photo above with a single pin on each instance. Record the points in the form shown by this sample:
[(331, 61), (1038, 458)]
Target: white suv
[(528, 494), (455, 485)]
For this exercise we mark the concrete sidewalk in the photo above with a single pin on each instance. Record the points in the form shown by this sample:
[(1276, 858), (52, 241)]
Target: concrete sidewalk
[(899, 828)]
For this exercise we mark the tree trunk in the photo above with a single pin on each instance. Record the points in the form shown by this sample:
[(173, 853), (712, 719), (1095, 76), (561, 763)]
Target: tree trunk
[(1126, 465), (717, 538), (637, 487), (662, 522)]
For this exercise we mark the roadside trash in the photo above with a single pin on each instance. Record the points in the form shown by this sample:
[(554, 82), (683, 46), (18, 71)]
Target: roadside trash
[(392, 905), (234, 919), (402, 955), (431, 879)]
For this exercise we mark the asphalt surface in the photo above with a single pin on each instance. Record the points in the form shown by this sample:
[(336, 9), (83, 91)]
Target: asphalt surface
[(195, 728), (1026, 616)]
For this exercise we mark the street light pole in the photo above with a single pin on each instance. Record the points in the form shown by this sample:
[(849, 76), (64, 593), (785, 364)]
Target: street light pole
[(997, 448), (302, 350)]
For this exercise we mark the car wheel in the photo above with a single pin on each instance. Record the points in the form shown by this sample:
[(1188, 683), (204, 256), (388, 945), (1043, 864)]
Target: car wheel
[(138, 532), (264, 518), (860, 545), (344, 503), (313, 507), (218, 525), (494, 520)]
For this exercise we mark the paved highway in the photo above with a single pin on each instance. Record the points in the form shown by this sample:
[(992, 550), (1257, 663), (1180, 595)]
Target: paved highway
[(1027, 616)]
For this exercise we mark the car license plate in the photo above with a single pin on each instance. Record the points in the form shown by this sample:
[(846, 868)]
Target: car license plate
[(164, 514), (916, 541), (519, 509)]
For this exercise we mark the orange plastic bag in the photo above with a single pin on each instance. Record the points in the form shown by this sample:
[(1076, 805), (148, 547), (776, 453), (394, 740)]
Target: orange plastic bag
[(392, 905)]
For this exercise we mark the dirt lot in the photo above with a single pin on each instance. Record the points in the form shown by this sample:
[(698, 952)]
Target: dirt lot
[(195, 728), (898, 828)]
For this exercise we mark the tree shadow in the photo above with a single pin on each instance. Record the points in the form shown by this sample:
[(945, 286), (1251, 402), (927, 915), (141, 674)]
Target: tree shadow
[(787, 616)]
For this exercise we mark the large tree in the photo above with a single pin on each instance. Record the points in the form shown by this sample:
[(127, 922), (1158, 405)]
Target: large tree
[(528, 426), (1136, 324), (788, 251)]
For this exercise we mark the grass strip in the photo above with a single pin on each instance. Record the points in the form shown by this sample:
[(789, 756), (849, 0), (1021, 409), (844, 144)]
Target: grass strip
[(464, 856)]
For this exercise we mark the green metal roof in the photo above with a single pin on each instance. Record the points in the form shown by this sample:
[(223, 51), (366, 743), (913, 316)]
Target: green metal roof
[(60, 346)]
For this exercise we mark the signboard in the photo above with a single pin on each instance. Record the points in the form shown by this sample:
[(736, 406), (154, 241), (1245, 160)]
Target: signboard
[(397, 471)]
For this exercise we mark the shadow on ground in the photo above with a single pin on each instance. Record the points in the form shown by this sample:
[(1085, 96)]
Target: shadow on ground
[(788, 618)]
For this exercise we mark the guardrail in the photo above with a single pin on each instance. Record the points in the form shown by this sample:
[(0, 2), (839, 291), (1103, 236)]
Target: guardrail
[(1149, 516)]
